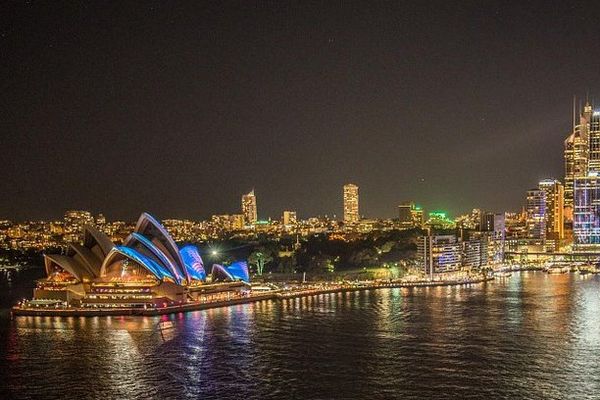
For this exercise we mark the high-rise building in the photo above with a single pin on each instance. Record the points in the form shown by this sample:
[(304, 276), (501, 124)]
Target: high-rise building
[(405, 217), (554, 195), (249, 209), (486, 221), (418, 216), (289, 218), (582, 153), (410, 215), (582, 186), (536, 214), (351, 214), (586, 212), (439, 253)]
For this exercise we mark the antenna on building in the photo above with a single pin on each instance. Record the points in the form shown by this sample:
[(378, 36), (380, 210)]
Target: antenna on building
[(574, 100)]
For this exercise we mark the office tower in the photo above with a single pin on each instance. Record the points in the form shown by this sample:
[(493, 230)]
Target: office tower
[(579, 146), (417, 216), (405, 217), (249, 209), (351, 214), (586, 212), (536, 214), (486, 221), (410, 215), (289, 218), (554, 195), (582, 187)]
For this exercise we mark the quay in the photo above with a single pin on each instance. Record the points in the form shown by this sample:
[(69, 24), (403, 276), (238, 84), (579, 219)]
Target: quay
[(275, 295)]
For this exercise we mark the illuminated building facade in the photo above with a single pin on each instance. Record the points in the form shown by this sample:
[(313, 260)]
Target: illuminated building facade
[(473, 253), (235, 271), (249, 209), (440, 253), (439, 220), (405, 218), (582, 165), (586, 212), (418, 216), (75, 220), (536, 214), (351, 211), (147, 270), (410, 215), (554, 194), (289, 218)]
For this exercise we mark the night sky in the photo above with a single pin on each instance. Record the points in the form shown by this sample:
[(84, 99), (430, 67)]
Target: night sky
[(179, 108)]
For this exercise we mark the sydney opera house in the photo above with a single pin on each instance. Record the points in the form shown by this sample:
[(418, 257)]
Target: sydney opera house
[(147, 270)]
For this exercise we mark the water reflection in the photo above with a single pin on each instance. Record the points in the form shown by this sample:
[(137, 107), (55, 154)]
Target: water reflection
[(530, 336)]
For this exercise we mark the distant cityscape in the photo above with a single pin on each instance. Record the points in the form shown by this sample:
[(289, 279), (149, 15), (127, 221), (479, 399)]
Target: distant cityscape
[(558, 218)]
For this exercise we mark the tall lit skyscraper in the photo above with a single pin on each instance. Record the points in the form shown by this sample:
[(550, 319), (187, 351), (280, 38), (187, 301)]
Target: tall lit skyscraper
[(586, 212), (554, 195), (582, 185), (249, 209), (577, 154), (536, 214), (351, 214)]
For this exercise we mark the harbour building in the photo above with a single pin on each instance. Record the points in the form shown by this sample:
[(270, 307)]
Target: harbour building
[(148, 270), (536, 214), (439, 253)]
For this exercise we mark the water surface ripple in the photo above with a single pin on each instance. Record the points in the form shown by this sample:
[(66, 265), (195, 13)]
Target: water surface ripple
[(533, 336)]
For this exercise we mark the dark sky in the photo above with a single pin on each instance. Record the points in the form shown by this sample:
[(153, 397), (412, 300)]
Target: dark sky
[(179, 108)]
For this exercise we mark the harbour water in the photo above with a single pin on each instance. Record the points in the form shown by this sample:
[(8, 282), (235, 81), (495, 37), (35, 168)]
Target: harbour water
[(532, 335)]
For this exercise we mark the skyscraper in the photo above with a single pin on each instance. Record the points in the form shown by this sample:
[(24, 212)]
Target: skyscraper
[(554, 195), (536, 214), (582, 186), (249, 209), (351, 214), (405, 217), (577, 154), (586, 212)]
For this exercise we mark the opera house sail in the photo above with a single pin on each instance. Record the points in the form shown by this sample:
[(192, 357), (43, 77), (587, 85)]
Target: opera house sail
[(148, 270)]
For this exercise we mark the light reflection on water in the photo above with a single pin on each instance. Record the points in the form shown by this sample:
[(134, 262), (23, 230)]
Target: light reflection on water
[(530, 336)]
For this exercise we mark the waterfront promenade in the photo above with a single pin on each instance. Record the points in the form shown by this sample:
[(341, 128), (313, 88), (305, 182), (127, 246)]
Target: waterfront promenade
[(301, 290)]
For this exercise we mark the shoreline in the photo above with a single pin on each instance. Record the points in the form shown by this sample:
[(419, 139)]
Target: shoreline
[(275, 295)]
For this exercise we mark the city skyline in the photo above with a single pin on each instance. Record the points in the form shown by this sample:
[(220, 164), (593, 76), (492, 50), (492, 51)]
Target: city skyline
[(311, 200), (294, 101)]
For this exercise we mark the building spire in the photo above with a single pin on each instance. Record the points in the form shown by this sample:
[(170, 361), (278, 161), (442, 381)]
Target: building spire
[(574, 117)]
